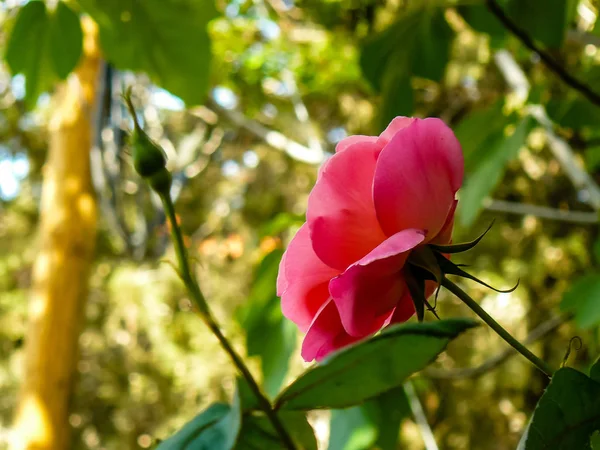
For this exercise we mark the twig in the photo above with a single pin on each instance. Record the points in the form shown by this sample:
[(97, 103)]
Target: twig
[(541, 211), (420, 418), (548, 60), (471, 372), (562, 151), (564, 154), (273, 138)]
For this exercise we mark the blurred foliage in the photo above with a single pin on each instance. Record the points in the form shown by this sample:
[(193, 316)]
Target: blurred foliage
[(147, 363)]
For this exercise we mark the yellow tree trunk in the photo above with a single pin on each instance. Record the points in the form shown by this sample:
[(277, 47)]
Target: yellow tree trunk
[(67, 234)]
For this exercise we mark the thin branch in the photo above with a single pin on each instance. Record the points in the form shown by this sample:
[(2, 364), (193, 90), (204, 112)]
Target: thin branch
[(563, 152), (542, 212), (560, 148), (471, 372), (273, 138), (419, 415), (548, 60)]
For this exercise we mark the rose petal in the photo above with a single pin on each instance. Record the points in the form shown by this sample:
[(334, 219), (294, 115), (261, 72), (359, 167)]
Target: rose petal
[(444, 237), (417, 175), (369, 289), (325, 335), (351, 140), (303, 279), (341, 214), (404, 310), (397, 124)]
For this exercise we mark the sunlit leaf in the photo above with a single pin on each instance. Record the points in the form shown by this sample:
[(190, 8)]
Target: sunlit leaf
[(166, 39), (582, 299), (27, 49), (374, 366), (65, 40), (489, 170)]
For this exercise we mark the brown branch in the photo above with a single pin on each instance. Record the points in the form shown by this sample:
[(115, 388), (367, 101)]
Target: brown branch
[(472, 372), (547, 59)]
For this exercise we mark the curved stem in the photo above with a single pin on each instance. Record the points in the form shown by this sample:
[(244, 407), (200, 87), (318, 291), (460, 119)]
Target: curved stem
[(193, 288), (537, 362)]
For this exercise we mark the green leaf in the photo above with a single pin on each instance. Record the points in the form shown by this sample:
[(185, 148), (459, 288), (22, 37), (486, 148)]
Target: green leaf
[(489, 171), (65, 40), (166, 39), (268, 334), (432, 45), (26, 50), (545, 21), (583, 299), (417, 44), (258, 434), (482, 20), (566, 415), (479, 129), (374, 423), (216, 428), (595, 440), (397, 99), (573, 112), (367, 369), (595, 371)]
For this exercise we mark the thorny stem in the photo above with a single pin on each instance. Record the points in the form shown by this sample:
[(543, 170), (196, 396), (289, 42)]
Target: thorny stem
[(537, 362), (193, 288)]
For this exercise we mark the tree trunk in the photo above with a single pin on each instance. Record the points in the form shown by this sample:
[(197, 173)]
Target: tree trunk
[(67, 235)]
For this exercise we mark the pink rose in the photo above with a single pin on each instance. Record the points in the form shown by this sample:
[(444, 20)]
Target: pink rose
[(342, 277)]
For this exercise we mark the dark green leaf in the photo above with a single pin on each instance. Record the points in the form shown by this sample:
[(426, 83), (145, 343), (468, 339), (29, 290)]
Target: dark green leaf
[(573, 112), (479, 130), (374, 366), (396, 99), (374, 423), (268, 334), (566, 415), (595, 371), (432, 45), (582, 298), (545, 21), (26, 50), (481, 19), (216, 428), (258, 434), (489, 171), (417, 44), (65, 40), (168, 40)]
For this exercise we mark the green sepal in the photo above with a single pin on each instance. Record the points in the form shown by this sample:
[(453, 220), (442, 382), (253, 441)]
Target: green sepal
[(449, 268), (416, 287), (148, 158), (459, 248), (424, 258)]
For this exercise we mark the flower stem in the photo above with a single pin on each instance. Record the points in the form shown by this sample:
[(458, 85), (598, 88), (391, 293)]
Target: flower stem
[(541, 365), (193, 288)]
